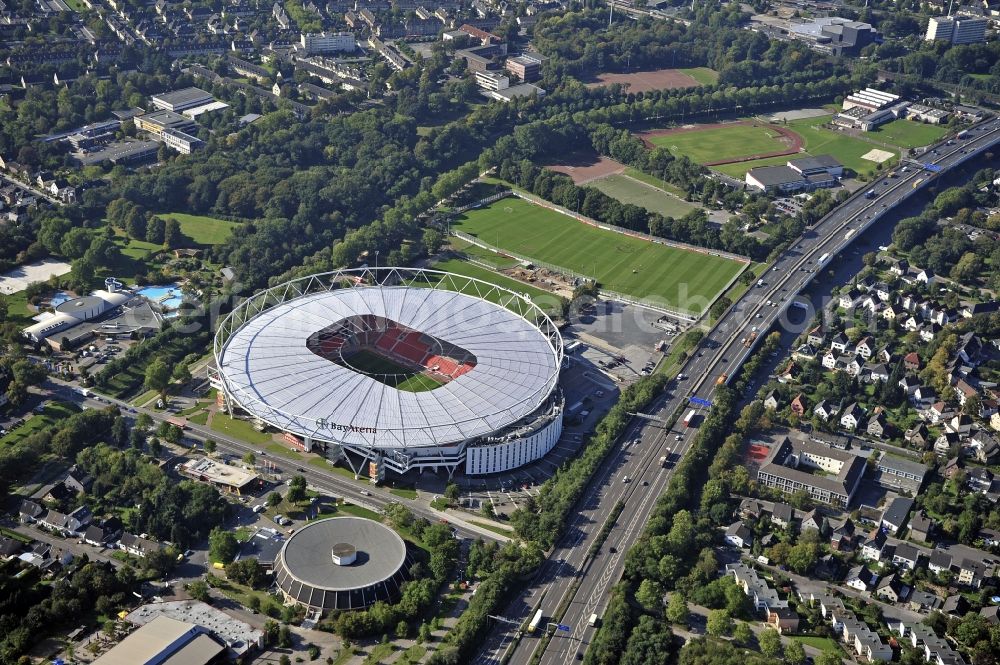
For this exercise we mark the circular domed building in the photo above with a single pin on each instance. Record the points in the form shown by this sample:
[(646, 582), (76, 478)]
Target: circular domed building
[(342, 563)]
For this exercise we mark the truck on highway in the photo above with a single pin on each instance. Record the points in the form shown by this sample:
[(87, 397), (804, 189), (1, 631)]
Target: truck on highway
[(594, 620), (870, 194), (689, 418), (962, 134), (850, 232), (823, 259), (748, 341), (536, 621), (916, 183), (722, 379), (665, 461)]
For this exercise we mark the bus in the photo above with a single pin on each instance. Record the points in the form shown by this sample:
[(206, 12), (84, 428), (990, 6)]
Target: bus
[(536, 621), (689, 418)]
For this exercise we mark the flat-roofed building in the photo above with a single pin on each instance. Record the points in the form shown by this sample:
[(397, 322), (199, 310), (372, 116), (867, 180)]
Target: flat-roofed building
[(166, 641), (524, 67), (871, 99), (492, 80), (899, 473), (223, 476), (958, 29), (794, 460), (327, 42), (182, 142), (158, 121), (785, 179), (178, 100)]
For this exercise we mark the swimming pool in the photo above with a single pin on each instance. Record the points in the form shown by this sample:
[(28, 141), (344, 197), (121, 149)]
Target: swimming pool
[(168, 296), (58, 298)]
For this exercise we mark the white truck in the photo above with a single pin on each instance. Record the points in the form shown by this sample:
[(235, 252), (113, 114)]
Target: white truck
[(594, 620)]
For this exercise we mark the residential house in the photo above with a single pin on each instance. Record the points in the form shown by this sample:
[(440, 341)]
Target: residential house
[(894, 517), (861, 579), (848, 298), (973, 572), (825, 410), (871, 549), (939, 561), (30, 511), (137, 545), (814, 520), (911, 362), (906, 556), (830, 360), (985, 447), (878, 426), (9, 548), (960, 424), (842, 535), (909, 384), (851, 417), (839, 343), (955, 605), (890, 589), (799, 405), (978, 479), (922, 527), (783, 619), (918, 436), (875, 372), (921, 601), (751, 509), (964, 390), (782, 514), (944, 443), (78, 480), (771, 401), (815, 337), (738, 535), (865, 348)]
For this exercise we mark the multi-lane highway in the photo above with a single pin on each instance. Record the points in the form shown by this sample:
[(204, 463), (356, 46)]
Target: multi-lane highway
[(568, 578)]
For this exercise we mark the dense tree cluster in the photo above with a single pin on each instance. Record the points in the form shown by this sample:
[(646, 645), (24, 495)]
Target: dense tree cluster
[(182, 512)]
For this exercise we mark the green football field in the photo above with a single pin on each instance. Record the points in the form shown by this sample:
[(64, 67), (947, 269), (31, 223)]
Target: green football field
[(629, 190), (622, 263), (392, 374), (908, 133), (718, 143), (819, 140)]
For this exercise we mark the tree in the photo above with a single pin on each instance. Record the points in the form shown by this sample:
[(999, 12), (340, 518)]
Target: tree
[(452, 492), (172, 234), (296, 490), (199, 591), (802, 557), (424, 634), (210, 446), (795, 653), (742, 634), (829, 658), (247, 572), (222, 545), (719, 623), (158, 376), (650, 595), (249, 459), (677, 608), (273, 499), (402, 629), (284, 637), (284, 660), (770, 643)]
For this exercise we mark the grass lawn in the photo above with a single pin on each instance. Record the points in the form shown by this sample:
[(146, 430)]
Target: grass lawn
[(486, 256), (492, 527), (76, 5), (703, 75), (18, 311), (53, 412), (821, 643), (404, 492), (358, 511), (619, 262), (203, 230), (650, 197), (412, 656), (199, 418), (909, 134), (379, 654), (721, 142), (635, 173), (548, 302), (239, 429)]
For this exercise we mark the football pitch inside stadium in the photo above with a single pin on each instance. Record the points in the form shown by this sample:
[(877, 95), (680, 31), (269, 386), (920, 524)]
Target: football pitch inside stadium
[(390, 373), (626, 264)]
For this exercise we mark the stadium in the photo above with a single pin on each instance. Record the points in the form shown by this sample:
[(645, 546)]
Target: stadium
[(397, 368), (342, 563)]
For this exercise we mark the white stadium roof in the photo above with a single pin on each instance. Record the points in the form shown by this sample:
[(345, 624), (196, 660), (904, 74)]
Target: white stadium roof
[(268, 370)]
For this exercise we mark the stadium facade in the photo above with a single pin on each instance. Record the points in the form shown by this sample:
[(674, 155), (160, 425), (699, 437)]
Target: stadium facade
[(398, 369)]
